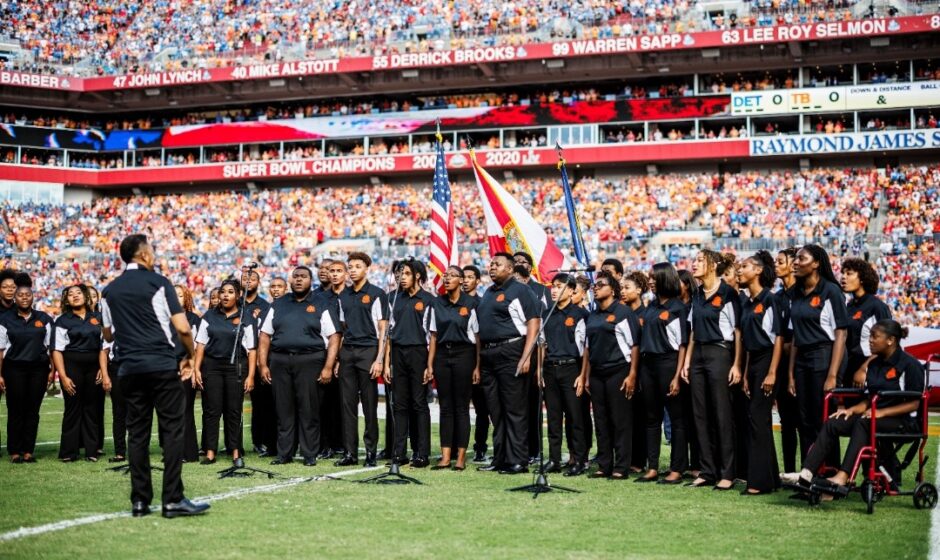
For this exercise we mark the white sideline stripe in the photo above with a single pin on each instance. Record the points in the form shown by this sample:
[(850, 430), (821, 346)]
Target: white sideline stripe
[(23, 532), (935, 519)]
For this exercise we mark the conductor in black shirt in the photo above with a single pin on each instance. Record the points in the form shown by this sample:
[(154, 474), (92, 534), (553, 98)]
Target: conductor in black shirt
[(139, 309)]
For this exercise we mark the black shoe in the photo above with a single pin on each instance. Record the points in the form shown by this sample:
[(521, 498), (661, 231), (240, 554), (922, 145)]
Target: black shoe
[(575, 470), (30, 459), (534, 459), (207, 461), (370, 460), (140, 509), (184, 508), (117, 459), (492, 467), (325, 454), (420, 463), (514, 469), (551, 467), (311, 462), (259, 449), (383, 455), (479, 457), (346, 461), (282, 461), (17, 460), (264, 454), (238, 463)]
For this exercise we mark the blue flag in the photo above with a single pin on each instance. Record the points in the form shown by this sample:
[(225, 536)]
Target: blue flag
[(580, 252)]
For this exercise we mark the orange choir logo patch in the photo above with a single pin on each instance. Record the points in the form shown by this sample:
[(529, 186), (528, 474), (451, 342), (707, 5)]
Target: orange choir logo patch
[(815, 301), (569, 322), (236, 321), (664, 316), (892, 373), (611, 318), (501, 297), (716, 301), (464, 312), (759, 308), (311, 309), (419, 306), (366, 299), (38, 324), (857, 316), (93, 321)]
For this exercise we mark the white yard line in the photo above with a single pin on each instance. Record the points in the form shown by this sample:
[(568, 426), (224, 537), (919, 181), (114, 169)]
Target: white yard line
[(935, 519), (98, 518)]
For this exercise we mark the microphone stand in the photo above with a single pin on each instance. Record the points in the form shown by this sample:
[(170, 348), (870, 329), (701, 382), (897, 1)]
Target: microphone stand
[(245, 471), (540, 484), (393, 476)]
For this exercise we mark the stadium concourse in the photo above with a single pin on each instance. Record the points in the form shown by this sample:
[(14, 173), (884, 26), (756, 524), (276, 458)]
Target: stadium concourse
[(281, 227)]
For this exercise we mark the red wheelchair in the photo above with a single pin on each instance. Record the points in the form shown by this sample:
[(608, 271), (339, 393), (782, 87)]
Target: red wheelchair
[(881, 454)]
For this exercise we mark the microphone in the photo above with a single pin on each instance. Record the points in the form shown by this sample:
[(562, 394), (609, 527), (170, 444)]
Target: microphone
[(588, 268), (250, 266)]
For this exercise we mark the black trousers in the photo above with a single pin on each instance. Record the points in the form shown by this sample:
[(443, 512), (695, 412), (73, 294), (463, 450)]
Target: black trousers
[(410, 400), (190, 441), (809, 373), (223, 397), (564, 409), (858, 430), (613, 419), (118, 412), (144, 393), (534, 404), (453, 371), (82, 417), (294, 380), (26, 387), (691, 432), (481, 430), (507, 399), (331, 416), (762, 471), (356, 385), (638, 422), (656, 373), (264, 426), (789, 413), (588, 423), (711, 407)]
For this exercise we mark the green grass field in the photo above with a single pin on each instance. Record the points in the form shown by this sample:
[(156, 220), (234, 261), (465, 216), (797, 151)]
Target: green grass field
[(454, 515)]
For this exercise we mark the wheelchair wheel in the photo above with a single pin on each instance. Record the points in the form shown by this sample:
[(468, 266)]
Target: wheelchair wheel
[(870, 497), (925, 496)]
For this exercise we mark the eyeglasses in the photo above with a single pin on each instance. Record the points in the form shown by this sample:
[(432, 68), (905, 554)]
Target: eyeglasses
[(453, 275)]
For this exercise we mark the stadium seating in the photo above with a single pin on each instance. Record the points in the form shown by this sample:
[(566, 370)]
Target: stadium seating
[(104, 37), (280, 227)]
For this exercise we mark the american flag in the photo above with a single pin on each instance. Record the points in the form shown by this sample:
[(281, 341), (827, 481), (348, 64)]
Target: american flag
[(443, 228)]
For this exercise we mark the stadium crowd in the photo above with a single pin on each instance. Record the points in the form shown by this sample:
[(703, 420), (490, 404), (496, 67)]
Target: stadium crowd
[(617, 214), (105, 37)]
